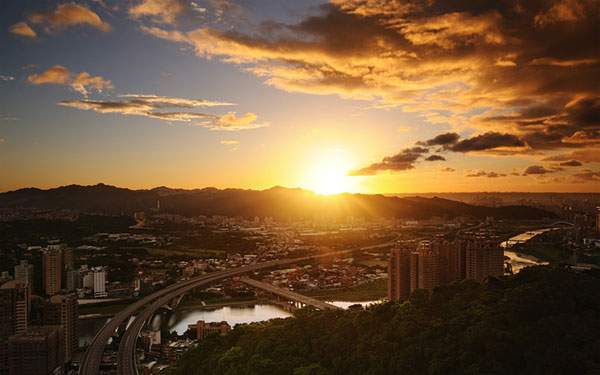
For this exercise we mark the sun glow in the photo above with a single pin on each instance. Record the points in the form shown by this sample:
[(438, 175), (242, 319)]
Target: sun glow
[(328, 174)]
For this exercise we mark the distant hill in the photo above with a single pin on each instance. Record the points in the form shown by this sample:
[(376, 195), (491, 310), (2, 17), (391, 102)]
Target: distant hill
[(277, 202)]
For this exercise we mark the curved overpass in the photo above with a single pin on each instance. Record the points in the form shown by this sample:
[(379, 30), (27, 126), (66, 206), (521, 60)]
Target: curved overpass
[(90, 364)]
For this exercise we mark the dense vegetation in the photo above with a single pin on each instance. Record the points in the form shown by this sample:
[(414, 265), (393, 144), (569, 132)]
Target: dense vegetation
[(540, 321)]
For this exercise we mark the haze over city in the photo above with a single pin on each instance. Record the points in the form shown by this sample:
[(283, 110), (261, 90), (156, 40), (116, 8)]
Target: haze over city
[(341, 96), (299, 187)]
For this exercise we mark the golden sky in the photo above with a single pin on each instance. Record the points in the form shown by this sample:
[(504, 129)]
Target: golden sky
[(368, 96)]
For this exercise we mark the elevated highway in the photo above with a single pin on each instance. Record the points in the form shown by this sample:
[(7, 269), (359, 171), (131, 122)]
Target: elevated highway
[(288, 294), (90, 363)]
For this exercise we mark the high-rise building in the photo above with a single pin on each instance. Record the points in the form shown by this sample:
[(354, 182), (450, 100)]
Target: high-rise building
[(24, 275), (14, 312), (62, 310), (598, 220), (67, 258), (429, 264), (37, 351), (428, 268), (52, 269), (99, 283), (484, 257), (73, 280), (450, 260), (399, 270)]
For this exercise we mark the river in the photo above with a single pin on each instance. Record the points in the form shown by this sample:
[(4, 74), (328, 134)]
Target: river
[(519, 261), (233, 315)]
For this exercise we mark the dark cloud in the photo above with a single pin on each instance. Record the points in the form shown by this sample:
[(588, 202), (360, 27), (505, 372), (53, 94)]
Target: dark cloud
[(486, 174), (587, 177), (153, 106), (522, 73), (442, 140), (558, 124), (487, 141), (402, 161), (537, 170), (584, 112), (435, 158), (571, 163), (591, 155), (448, 169)]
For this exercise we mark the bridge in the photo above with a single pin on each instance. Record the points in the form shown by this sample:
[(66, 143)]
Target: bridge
[(90, 364), (289, 295)]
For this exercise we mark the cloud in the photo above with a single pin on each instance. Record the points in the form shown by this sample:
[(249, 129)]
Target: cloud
[(487, 141), (231, 122), (57, 75), (587, 177), (164, 101), (81, 82), (68, 15), (435, 158), (591, 155), (229, 142), (6, 78), (451, 142), (517, 73), (486, 174), (448, 169), (22, 29), (566, 11), (537, 170), (442, 140), (403, 160), (571, 163), (396, 53), (163, 11), (563, 63), (154, 106)]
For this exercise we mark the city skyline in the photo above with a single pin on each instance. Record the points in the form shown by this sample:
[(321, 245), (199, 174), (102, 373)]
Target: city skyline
[(356, 96)]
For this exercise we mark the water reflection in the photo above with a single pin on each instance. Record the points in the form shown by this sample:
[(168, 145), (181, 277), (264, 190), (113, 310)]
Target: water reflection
[(346, 304), (520, 261), (233, 315)]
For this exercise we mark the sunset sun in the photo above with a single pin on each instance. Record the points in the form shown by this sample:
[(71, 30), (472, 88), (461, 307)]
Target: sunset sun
[(328, 175)]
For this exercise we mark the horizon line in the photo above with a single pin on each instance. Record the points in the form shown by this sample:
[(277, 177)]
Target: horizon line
[(300, 188)]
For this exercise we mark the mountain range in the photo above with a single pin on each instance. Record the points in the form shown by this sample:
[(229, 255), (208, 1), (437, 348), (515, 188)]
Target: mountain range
[(276, 202)]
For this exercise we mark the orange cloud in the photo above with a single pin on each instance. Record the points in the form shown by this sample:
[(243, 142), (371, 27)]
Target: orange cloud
[(504, 71), (81, 82), (229, 142), (231, 122), (563, 11), (563, 63), (67, 15), (56, 75), (22, 29), (165, 11), (157, 107)]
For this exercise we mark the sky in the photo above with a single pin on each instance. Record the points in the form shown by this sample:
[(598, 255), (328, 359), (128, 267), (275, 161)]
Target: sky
[(368, 96)]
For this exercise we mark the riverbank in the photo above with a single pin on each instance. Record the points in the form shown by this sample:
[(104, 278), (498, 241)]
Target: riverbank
[(197, 304), (371, 291)]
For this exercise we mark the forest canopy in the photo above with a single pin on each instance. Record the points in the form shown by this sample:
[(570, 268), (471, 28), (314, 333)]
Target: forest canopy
[(540, 321)]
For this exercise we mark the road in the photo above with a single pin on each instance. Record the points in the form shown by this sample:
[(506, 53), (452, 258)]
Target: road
[(288, 294), (90, 364)]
